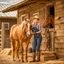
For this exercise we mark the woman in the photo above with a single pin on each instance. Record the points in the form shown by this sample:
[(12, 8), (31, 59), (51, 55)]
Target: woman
[(36, 29)]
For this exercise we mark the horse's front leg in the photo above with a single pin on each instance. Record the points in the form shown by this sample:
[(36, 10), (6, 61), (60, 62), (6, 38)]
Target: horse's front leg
[(17, 50), (27, 44), (21, 50), (13, 48)]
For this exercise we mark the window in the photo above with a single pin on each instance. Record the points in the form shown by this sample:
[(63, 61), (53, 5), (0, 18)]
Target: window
[(6, 26), (23, 17), (36, 14)]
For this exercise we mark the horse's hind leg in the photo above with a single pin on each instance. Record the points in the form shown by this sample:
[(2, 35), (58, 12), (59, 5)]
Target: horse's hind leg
[(13, 48), (26, 51), (17, 50), (21, 50)]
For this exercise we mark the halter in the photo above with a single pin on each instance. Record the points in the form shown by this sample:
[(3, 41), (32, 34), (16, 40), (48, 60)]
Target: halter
[(28, 32)]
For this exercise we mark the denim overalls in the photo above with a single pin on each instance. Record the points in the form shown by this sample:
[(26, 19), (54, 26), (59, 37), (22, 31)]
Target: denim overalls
[(36, 40)]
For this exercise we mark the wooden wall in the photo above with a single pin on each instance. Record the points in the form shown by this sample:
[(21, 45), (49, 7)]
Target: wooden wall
[(7, 32), (59, 23), (31, 9), (59, 28)]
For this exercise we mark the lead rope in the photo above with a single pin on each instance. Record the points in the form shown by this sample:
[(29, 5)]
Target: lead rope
[(47, 35)]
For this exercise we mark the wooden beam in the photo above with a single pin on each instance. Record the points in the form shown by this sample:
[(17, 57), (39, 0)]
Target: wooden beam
[(8, 17), (3, 36), (22, 4), (25, 3)]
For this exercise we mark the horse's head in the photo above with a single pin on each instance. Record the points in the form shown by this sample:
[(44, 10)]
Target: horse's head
[(27, 27)]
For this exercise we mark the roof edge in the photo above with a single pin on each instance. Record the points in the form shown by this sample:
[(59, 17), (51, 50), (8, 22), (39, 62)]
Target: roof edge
[(14, 7), (9, 17)]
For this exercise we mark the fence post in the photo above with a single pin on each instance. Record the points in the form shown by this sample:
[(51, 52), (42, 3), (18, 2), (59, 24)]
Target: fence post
[(52, 41), (3, 36)]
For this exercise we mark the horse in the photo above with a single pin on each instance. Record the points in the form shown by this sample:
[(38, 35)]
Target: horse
[(19, 34), (47, 24)]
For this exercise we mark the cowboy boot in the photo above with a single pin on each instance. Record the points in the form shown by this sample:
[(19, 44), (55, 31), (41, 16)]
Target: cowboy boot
[(33, 57), (38, 57)]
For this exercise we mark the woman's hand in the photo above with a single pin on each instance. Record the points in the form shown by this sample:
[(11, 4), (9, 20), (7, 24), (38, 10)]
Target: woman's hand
[(38, 32), (33, 33)]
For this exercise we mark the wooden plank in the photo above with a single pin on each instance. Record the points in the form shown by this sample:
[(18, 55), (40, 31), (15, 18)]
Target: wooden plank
[(59, 7), (58, 50), (58, 14), (59, 10), (59, 45), (47, 53), (42, 15), (60, 54), (31, 7), (59, 26), (0, 46), (0, 38), (0, 42), (54, 62), (3, 32), (58, 2), (59, 39), (59, 33), (0, 35), (57, 22), (0, 30), (49, 57)]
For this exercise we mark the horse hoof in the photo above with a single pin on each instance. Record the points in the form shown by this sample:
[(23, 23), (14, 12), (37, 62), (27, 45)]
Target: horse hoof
[(22, 60), (17, 59), (13, 60), (26, 60)]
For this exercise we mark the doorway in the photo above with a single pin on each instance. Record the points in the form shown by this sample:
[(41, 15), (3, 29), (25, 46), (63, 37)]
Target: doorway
[(51, 11)]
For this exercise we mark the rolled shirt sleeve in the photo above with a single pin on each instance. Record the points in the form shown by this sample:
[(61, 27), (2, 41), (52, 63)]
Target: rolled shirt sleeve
[(40, 27)]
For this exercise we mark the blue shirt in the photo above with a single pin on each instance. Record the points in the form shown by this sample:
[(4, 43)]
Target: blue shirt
[(35, 29), (38, 26)]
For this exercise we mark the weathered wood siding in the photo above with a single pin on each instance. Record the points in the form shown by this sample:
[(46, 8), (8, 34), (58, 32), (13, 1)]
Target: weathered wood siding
[(59, 24), (59, 27), (7, 32), (31, 9)]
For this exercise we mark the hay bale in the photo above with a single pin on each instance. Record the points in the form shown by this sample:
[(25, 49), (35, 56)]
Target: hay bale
[(54, 62)]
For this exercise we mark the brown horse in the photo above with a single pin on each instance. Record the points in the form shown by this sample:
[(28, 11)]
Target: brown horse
[(19, 34), (48, 23), (49, 20)]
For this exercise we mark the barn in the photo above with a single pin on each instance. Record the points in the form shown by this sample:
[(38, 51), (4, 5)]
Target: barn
[(29, 8), (6, 21)]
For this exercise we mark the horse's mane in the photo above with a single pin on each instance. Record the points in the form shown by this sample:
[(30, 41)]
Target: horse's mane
[(22, 24)]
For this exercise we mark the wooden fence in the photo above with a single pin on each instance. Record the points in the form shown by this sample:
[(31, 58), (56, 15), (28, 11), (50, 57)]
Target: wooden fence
[(2, 35)]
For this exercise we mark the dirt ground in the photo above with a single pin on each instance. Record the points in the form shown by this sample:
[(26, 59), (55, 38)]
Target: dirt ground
[(8, 60), (5, 58)]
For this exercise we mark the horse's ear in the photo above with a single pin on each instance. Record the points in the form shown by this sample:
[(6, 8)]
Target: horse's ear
[(28, 20), (31, 27)]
